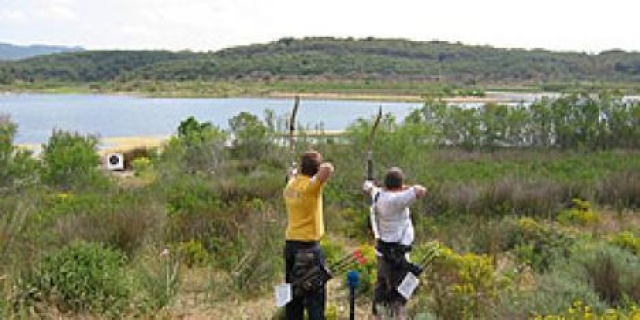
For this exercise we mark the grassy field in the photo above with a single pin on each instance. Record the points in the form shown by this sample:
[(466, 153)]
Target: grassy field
[(196, 229)]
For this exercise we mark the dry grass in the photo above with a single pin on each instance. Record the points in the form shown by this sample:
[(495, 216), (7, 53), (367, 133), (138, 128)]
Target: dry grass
[(612, 222)]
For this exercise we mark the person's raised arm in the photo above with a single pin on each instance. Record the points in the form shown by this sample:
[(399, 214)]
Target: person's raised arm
[(368, 186), (324, 172), (420, 191)]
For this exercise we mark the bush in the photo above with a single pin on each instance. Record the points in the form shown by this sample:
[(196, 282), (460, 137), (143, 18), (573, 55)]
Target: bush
[(621, 190), (537, 244), (613, 274), (579, 310), (138, 153), (252, 138), (333, 251), (17, 168), (353, 223), (258, 246), (121, 220), (367, 271), (579, 213), (627, 241), (70, 161), (599, 276), (192, 254), (539, 198), (141, 165), (462, 286), (198, 147), (82, 277), (158, 276), (547, 293), (550, 294)]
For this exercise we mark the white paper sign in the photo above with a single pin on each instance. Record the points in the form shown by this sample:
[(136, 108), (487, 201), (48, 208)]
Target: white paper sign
[(283, 294), (408, 285)]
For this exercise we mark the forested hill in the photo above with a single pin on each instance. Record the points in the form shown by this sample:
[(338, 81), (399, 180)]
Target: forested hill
[(333, 58), (13, 52)]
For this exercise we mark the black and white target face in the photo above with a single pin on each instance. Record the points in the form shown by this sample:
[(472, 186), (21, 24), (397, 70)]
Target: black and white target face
[(114, 159)]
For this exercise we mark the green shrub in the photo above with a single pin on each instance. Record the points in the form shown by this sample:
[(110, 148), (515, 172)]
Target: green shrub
[(579, 310), (350, 222), (333, 251), (612, 273), (158, 276), (82, 277), (17, 168), (192, 253), (462, 286), (600, 275), (136, 153), (198, 147), (190, 195), (626, 240), (537, 244), (549, 293), (258, 248), (580, 213), (121, 220), (488, 237), (141, 165), (70, 161), (252, 138)]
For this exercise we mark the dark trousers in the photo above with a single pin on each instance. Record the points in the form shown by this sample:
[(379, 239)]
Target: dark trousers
[(392, 268), (314, 302)]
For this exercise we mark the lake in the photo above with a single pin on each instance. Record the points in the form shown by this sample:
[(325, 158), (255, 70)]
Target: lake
[(126, 116)]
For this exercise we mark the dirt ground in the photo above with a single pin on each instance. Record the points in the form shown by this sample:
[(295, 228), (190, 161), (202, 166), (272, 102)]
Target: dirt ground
[(187, 306)]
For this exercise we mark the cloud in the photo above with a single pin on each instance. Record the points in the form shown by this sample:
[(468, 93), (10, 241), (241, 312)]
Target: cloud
[(56, 12), (216, 24), (13, 16)]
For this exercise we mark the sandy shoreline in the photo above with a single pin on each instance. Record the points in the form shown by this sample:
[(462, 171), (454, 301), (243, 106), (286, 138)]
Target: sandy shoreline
[(490, 97), (112, 144), (123, 144), (493, 97)]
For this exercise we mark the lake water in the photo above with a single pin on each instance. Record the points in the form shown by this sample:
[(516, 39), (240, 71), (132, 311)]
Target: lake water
[(125, 116)]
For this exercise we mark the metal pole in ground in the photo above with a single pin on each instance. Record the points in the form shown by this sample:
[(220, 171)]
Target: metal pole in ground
[(352, 282)]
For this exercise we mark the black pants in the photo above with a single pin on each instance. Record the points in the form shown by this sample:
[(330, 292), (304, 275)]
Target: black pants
[(392, 267), (314, 302)]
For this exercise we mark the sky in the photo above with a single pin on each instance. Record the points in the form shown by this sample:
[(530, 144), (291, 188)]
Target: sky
[(209, 25)]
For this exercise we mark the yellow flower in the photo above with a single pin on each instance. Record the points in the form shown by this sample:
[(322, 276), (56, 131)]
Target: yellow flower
[(64, 196)]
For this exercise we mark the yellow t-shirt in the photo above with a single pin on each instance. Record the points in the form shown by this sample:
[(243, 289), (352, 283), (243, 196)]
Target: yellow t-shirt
[(303, 198)]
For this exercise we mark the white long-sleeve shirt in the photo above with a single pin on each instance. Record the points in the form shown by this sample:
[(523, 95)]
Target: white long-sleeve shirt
[(390, 215)]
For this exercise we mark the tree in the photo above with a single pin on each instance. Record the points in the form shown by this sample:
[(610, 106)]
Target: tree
[(200, 145), (252, 138), (71, 161), (17, 168)]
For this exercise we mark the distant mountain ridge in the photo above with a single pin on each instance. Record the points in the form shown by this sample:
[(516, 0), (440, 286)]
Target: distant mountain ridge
[(332, 58), (16, 52)]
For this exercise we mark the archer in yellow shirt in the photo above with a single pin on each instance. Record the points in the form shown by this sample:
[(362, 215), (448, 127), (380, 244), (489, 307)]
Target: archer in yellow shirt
[(305, 228), (303, 197)]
